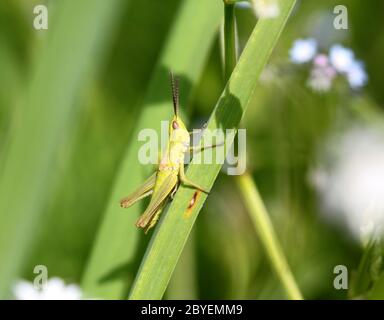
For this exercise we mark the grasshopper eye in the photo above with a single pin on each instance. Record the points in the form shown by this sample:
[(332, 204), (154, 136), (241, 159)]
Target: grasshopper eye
[(175, 125)]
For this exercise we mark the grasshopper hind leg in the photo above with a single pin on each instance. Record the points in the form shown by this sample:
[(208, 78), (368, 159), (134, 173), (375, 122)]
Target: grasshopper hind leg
[(143, 191), (174, 191), (149, 225)]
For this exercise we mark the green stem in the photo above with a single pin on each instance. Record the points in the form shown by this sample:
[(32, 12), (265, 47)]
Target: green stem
[(230, 56), (254, 203), (362, 280), (264, 228)]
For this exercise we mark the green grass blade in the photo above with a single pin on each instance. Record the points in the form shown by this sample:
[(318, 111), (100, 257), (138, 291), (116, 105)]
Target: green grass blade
[(183, 284), (251, 196), (169, 238), (76, 33), (264, 228), (112, 262)]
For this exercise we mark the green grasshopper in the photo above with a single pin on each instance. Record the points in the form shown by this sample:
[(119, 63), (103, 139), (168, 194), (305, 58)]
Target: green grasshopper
[(164, 183)]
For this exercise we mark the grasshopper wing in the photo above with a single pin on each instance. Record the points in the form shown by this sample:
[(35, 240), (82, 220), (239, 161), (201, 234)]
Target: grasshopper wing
[(143, 191), (160, 195)]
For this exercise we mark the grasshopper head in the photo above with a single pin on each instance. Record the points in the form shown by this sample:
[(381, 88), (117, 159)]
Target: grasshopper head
[(177, 130)]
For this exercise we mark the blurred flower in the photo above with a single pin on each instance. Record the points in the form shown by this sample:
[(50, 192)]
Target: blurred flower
[(244, 4), (341, 58), (266, 9), (350, 182), (321, 60), (269, 74), (322, 74), (326, 67), (321, 78), (303, 50), (54, 289), (356, 75)]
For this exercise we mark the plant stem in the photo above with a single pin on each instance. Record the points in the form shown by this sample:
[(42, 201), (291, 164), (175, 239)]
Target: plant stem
[(264, 228), (363, 277), (248, 189), (230, 56)]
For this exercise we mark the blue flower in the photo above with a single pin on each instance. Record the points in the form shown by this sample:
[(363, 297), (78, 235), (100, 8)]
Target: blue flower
[(356, 75), (341, 58), (303, 50)]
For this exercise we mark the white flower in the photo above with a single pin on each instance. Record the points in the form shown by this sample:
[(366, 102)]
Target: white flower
[(356, 75), (351, 182), (267, 9), (53, 289), (303, 50), (341, 58), (24, 290)]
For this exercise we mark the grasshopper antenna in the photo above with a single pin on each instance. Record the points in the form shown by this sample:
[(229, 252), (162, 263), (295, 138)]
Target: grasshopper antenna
[(175, 93)]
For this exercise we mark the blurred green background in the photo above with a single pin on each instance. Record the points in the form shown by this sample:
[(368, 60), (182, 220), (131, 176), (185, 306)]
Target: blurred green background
[(223, 259)]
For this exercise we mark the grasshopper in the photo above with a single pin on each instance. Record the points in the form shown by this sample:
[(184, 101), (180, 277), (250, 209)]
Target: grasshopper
[(163, 184)]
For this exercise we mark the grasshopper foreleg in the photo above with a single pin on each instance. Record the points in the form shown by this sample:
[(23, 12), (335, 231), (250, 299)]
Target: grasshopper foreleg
[(201, 148), (201, 131)]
